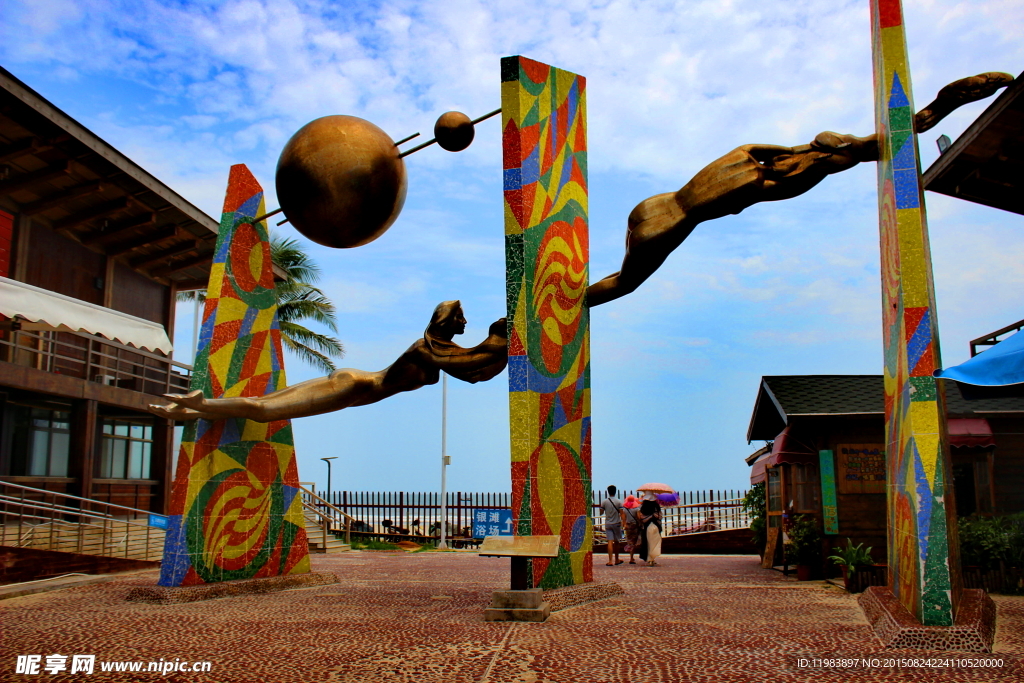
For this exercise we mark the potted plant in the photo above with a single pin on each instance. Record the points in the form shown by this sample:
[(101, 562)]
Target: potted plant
[(850, 559), (754, 506), (804, 547)]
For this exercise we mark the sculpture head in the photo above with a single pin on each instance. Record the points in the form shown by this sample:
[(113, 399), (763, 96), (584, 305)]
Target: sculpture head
[(447, 320)]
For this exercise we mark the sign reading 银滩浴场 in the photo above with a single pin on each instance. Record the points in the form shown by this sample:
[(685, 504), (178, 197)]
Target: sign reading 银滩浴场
[(492, 522)]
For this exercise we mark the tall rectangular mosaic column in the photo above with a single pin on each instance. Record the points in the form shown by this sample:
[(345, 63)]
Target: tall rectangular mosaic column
[(544, 142), (924, 560), (235, 508)]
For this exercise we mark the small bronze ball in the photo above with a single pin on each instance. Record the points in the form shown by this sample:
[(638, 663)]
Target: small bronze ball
[(340, 181), (454, 131)]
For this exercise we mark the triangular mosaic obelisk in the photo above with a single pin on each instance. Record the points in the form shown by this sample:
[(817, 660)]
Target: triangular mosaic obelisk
[(924, 566), (235, 508)]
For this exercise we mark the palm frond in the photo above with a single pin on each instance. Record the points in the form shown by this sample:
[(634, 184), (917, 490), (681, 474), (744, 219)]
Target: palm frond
[(192, 295), (293, 333), (288, 255)]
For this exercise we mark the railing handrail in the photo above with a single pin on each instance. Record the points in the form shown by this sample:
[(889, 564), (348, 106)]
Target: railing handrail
[(68, 495), (102, 340), (4, 498), (81, 513), (313, 495)]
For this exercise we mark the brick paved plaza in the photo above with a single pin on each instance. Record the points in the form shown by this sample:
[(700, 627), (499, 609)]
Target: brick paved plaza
[(418, 617)]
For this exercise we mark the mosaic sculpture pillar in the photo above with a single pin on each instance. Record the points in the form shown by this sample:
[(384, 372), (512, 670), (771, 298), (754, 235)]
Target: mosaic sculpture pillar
[(235, 508), (924, 566), (544, 143)]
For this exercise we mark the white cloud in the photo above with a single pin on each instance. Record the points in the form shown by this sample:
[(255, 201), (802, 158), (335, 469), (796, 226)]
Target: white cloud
[(186, 90)]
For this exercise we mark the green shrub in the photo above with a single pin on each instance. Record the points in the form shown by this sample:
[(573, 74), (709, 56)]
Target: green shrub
[(987, 541), (852, 556), (371, 544), (804, 545), (754, 506)]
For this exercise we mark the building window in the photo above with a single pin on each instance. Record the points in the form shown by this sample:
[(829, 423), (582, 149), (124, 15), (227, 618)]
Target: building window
[(127, 450), (49, 443), (806, 488), (36, 441), (774, 496)]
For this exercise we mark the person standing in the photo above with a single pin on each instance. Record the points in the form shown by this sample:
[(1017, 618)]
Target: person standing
[(631, 525), (612, 507), (650, 529)]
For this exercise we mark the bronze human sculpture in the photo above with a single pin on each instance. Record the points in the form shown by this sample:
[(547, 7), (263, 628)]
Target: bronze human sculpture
[(756, 173), (420, 365), (745, 176)]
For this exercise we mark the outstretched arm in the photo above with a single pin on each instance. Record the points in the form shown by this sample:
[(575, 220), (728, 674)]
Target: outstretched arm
[(340, 389), (757, 173), (481, 362)]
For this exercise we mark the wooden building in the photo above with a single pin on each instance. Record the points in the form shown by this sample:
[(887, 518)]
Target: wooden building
[(843, 414), (93, 250)]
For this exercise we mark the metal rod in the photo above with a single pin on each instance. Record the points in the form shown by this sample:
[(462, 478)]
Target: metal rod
[(487, 116), (441, 545), (283, 222), (417, 148), (267, 215), (405, 140)]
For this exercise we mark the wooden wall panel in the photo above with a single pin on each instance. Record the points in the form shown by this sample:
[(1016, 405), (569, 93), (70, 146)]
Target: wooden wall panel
[(1008, 467), (64, 266), (137, 295), (6, 242)]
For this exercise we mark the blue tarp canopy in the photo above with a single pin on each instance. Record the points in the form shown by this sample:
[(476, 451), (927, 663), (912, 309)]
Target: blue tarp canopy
[(999, 366)]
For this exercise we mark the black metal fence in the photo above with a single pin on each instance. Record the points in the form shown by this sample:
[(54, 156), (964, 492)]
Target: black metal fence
[(419, 513)]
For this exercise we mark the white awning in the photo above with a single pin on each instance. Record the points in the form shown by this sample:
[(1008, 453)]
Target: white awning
[(59, 312)]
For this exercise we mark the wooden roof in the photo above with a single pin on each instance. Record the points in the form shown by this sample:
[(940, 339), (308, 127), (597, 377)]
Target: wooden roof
[(57, 172), (781, 398), (986, 163)]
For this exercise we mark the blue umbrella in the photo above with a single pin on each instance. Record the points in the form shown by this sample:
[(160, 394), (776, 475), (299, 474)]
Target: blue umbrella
[(1001, 365)]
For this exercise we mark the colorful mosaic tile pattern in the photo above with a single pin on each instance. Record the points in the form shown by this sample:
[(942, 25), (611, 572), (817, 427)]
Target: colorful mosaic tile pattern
[(923, 557), (234, 509), (544, 142)]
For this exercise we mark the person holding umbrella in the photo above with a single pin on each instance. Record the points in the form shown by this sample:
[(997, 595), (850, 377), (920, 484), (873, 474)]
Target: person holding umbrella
[(631, 525), (650, 523)]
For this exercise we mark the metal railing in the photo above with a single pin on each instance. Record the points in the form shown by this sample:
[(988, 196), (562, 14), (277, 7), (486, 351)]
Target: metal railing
[(48, 520), (93, 358), (701, 517), (330, 519)]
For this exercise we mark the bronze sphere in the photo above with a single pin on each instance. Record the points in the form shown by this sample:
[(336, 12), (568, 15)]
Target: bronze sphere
[(340, 181), (454, 131)]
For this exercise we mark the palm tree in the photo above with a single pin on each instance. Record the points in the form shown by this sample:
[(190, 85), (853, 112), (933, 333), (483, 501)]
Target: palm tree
[(298, 299)]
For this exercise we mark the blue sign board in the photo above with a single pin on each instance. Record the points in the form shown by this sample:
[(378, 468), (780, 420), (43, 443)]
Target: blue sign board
[(492, 523), (159, 521)]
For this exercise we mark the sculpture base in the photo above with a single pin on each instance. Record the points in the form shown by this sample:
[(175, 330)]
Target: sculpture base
[(973, 631), (172, 595), (518, 605), (535, 604), (581, 594)]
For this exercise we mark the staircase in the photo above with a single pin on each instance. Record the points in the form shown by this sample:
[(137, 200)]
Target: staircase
[(323, 521), (315, 535), (49, 521), (115, 538)]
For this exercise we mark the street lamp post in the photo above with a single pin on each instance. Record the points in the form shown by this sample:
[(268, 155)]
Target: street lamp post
[(441, 544), (328, 461)]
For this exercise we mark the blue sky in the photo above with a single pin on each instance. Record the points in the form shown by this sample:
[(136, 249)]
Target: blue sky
[(187, 89)]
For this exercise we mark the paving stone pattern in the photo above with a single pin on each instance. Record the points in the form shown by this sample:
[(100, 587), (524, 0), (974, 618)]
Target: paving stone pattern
[(419, 617)]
